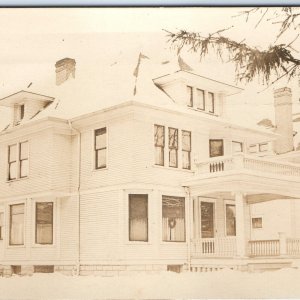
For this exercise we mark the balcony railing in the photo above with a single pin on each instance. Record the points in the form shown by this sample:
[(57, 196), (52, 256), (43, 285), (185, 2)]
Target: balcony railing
[(246, 162)]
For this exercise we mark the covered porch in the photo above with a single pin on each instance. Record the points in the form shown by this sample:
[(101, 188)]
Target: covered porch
[(222, 193)]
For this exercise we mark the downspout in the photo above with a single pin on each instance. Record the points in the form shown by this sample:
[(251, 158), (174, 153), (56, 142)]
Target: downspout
[(189, 210), (78, 195)]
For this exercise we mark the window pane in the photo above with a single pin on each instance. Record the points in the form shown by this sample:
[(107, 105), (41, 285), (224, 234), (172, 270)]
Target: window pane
[(44, 223), (159, 156), (256, 222), (200, 104), (216, 148), (173, 158), (186, 140), (138, 217), (207, 220), (190, 96), (263, 147), (186, 160), (173, 219), (101, 158), (230, 220), (24, 168), (211, 102), (16, 225), (159, 135), (100, 138), (12, 171), (237, 147), (23, 150), (173, 138), (12, 153)]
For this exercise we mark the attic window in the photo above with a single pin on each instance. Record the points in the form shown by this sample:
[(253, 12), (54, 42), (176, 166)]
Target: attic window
[(19, 113), (22, 111)]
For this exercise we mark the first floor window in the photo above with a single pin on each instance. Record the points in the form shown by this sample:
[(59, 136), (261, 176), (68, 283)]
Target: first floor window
[(44, 223), (216, 148), (173, 147), (173, 219), (138, 217), (230, 220), (159, 144), (16, 236), (1, 225), (186, 149), (100, 148)]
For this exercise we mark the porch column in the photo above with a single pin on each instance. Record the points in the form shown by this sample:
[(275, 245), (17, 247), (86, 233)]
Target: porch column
[(240, 224)]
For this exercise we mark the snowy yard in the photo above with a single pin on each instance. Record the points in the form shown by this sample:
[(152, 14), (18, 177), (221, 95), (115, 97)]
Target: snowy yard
[(222, 284)]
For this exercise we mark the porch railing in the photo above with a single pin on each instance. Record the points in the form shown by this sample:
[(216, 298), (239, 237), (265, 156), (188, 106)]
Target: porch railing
[(293, 246), (248, 162), (214, 247), (264, 248)]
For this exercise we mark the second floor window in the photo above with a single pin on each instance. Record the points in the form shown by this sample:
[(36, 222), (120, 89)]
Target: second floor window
[(200, 99), (190, 101), (237, 147), (216, 148), (211, 103), (16, 232), (173, 147), (18, 160), (100, 148), (159, 143), (186, 149)]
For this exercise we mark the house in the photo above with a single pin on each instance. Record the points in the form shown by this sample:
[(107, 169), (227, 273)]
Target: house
[(131, 164)]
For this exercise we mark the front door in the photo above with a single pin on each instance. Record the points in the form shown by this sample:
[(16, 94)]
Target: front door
[(207, 219)]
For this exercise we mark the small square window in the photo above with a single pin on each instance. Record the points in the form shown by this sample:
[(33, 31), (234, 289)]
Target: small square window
[(264, 147), (257, 223), (216, 148), (237, 147)]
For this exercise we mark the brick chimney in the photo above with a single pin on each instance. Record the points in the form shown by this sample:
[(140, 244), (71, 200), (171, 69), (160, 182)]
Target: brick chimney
[(283, 120), (64, 69)]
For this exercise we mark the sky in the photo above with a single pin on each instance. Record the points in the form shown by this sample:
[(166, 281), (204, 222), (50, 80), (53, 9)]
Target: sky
[(28, 35)]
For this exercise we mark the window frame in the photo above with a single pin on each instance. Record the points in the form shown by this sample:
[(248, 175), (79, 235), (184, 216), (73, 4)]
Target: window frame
[(240, 143), (186, 151), (190, 102), (162, 148), (210, 147), (253, 218), (10, 224), (261, 145), (185, 219), (36, 223), (173, 148), (129, 217), (23, 159), (212, 102), (100, 149), (203, 99)]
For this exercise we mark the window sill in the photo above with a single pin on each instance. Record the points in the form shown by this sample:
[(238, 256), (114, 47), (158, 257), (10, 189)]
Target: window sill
[(17, 179), (174, 169), (16, 247), (100, 169), (173, 243), (138, 243), (43, 246), (203, 111)]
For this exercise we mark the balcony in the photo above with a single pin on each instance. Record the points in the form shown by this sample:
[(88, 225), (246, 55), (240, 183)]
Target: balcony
[(246, 163)]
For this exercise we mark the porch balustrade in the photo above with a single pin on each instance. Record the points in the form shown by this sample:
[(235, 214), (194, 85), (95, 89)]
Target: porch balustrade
[(248, 162), (214, 247), (226, 247)]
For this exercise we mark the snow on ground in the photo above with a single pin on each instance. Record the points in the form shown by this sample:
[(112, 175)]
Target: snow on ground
[(221, 284)]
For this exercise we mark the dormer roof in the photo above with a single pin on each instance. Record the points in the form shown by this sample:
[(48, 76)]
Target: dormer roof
[(191, 78), (22, 96)]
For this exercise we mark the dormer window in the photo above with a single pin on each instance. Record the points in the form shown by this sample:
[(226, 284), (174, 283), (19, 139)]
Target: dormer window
[(22, 111), (201, 99)]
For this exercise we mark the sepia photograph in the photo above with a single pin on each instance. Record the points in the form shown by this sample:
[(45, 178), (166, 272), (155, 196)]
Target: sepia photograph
[(150, 153)]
